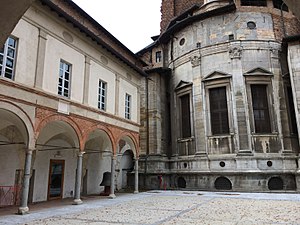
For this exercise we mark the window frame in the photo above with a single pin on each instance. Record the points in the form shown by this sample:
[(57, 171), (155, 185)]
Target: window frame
[(220, 130), (64, 80), (217, 80), (282, 6), (265, 124), (260, 80), (102, 95), (128, 104), (5, 56), (184, 89), (158, 56)]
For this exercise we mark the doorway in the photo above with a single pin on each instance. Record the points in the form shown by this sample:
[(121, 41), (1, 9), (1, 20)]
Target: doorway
[(56, 179)]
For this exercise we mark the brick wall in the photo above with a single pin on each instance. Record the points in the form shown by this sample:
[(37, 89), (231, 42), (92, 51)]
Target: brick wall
[(173, 8)]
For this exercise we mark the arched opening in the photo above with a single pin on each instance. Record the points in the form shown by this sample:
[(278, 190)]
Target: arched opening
[(275, 183), (14, 138), (125, 164), (55, 162), (223, 183), (96, 161), (181, 182)]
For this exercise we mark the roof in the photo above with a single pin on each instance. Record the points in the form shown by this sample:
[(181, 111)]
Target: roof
[(185, 19), (54, 7)]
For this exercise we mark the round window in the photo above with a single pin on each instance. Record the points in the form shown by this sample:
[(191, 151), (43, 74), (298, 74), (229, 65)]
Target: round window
[(251, 25), (182, 41)]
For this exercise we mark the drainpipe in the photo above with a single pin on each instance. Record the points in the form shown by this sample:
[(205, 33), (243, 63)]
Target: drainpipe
[(147, 129)]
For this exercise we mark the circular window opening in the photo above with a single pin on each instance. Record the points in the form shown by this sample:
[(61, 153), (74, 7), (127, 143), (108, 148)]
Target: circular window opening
[(222, 164), (275, 183), (251, 25), (269, 163), (223, 183), (181, 182), (185, 165), (182, 41)]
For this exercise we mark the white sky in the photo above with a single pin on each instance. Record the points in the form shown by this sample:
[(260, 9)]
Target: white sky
[(132, 22)]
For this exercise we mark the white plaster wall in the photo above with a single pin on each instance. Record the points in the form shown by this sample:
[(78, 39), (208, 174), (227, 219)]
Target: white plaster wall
[(97, 165), (99, 72), (11, 160), (56, 51), (27, 43), (41, 166), (126, 87)]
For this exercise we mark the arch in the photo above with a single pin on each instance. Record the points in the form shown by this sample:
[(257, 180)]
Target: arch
[(275, 183), (132, 141), (60, 118), (223, 183), (24, 119), (181, 182), (100, 128)]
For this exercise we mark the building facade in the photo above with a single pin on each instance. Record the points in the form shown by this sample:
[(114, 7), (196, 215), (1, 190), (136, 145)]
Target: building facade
[(226, 113), (69, 107)]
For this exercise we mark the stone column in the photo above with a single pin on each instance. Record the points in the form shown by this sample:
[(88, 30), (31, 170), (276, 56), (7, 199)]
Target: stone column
[(23, 209), (77, 200), (112, 178), (136, 176)]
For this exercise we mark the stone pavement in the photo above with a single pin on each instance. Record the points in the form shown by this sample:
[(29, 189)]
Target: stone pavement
[(170, 207)]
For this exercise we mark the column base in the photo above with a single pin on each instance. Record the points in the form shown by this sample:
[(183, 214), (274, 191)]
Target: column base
[(77, 201), (23, 210), (135, 192), (112, 196)]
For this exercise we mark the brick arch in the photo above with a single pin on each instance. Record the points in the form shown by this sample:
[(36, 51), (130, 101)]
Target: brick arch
[(134, 137), (53, 118), (24, 117), (102, 128)]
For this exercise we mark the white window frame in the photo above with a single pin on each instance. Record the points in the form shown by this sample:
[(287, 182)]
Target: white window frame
[(127, 106), (102, 90), (63, 78), (6, 57)]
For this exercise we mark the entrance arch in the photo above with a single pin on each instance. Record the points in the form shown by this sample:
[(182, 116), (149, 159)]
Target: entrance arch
[(96, 160), (125, 164), (16, 135), (55, 161)]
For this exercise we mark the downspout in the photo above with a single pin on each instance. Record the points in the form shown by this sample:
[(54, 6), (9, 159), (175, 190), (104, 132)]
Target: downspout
[(147, 129)]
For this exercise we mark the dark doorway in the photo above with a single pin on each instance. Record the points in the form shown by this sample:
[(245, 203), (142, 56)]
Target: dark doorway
[(56, 179)]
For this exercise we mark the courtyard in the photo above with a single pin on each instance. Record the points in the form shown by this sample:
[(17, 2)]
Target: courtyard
[(165, 207)]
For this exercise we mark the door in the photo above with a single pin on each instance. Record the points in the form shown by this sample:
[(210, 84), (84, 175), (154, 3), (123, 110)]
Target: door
[(56, 179)]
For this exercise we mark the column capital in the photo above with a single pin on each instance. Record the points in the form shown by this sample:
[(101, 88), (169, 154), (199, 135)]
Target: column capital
[(30, 150), (80, 153)]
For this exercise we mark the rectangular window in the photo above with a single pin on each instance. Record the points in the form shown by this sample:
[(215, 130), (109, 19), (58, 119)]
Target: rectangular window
[(158, 56), (127, 106), (185, 116), (8, 58), (218, 111), (102, 95), (260, 106), (254, 2), (279, 4), (64, 79)]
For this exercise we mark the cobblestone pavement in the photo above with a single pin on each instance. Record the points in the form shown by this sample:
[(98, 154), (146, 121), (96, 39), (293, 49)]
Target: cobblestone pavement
[(170, 207)]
